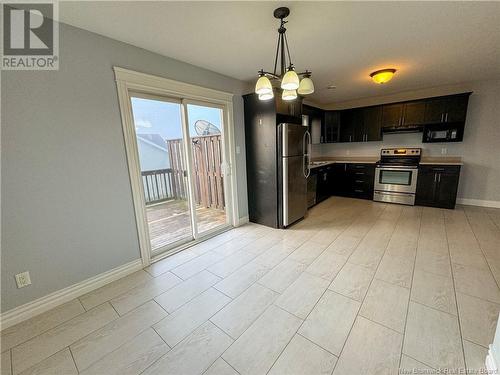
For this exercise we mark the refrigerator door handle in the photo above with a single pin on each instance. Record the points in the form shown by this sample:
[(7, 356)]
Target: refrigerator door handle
[(305, 149)]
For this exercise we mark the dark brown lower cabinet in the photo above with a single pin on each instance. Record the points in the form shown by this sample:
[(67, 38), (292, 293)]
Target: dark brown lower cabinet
[(353, 180), (437, 185), (323, 184)]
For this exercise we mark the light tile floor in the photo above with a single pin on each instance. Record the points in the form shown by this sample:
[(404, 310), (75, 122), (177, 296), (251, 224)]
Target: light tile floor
[(356, 288)]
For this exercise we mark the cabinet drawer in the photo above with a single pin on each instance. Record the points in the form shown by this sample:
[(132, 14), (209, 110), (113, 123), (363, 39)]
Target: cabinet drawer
[(451, 169)]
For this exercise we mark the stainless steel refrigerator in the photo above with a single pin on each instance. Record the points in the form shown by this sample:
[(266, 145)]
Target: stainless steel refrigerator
[(277, 157), (294, 143)]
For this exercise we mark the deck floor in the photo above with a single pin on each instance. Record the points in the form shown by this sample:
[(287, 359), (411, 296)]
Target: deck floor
[(169, 221)]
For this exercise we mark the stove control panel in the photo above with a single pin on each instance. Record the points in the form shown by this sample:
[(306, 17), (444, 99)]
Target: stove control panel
[(401, 152)]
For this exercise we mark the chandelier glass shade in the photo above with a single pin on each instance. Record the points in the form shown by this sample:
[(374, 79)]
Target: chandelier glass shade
[(289, 95), (263, 86), (287, 79)]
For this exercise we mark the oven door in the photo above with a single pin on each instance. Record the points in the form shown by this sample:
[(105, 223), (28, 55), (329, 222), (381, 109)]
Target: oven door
[(396, 179)]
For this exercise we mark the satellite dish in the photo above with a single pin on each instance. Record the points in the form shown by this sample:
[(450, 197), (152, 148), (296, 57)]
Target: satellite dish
[(204, 127)]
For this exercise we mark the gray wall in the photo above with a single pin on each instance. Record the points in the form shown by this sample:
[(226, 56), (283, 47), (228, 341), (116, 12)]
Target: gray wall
[(480, 150), (67, 211)]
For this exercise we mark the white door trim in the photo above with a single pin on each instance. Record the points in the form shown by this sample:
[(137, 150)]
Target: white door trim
[(128, 81)]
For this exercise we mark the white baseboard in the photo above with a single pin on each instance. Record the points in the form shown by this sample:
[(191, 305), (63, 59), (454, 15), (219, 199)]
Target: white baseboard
[(478, 202), (40, 305), (243, 220)]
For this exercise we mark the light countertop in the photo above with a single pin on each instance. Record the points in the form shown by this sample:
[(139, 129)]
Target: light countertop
[(437, 160)]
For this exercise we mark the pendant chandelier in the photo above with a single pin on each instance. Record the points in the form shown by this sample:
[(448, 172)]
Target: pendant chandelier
[(289, 80)]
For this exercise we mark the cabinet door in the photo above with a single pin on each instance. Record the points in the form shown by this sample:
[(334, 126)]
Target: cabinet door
[(331, 126), (338, 179), (315, 128), (372, 119), (435, 110), (446, 193), (414, 113), (392, 115), (359, 129), (456, 110), (323, 184), (312, 185), (426, 186), (347, 126)]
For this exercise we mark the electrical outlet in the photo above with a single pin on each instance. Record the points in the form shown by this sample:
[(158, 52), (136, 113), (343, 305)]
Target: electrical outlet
[(444, 151), (23, 279)]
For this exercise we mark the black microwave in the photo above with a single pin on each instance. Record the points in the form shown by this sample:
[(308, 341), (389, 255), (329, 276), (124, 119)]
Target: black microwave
[(443, 134)]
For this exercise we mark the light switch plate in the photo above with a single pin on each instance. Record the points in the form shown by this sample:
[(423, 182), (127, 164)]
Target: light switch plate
[(23, 279)]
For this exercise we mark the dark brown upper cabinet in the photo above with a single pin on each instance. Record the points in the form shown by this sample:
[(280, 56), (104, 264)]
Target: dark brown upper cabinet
[(361, 124), (440, 119), (447, 109), (392, 114), (331, 126), (350, 122), (372, 123), (414, 113), (401, 116)]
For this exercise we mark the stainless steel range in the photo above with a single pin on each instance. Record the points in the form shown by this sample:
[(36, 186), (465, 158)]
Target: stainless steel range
[(396, 175)]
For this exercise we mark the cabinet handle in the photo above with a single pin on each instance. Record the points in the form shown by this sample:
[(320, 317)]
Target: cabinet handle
[(438, 169), (345, 167), (350, 138), (358, 191), (359, 181), (439, 177), (435, 177), (446, 117), (442, 117), (402, 120)]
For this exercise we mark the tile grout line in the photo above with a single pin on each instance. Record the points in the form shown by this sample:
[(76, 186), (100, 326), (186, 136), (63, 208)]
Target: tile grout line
[(184, 338), (481, 247), (128, 340), (327, 289), (73, 358), (455, 288), (371, 281), (60, 324), (411, 284), (303, 320)]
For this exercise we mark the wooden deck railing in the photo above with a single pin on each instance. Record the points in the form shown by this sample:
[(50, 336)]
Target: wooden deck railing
[(165, 184)]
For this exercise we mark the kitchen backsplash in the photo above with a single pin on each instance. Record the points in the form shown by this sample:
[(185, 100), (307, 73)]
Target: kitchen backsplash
[(390, 140)]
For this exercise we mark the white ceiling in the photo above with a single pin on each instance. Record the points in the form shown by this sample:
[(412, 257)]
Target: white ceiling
[(430, 43)]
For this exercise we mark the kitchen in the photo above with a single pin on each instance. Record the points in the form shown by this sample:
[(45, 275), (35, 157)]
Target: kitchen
[(420, 156), (401, 174)]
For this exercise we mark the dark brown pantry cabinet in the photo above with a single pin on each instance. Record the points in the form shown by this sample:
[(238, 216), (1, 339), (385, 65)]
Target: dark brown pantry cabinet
[(437, 185)]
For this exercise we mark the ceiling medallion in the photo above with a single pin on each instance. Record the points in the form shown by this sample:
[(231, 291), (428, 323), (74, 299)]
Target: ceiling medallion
[(290, 82)]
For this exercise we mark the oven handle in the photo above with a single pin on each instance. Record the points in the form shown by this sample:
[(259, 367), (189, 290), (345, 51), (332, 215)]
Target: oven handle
[(392, 193), (405, 169)]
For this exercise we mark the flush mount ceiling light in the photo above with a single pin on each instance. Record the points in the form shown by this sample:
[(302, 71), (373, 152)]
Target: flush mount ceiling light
[(383, 75), (288, 79)]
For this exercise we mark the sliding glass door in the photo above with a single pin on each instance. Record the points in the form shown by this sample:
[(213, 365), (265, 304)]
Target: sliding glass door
[(207, 150), (180, 148)]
